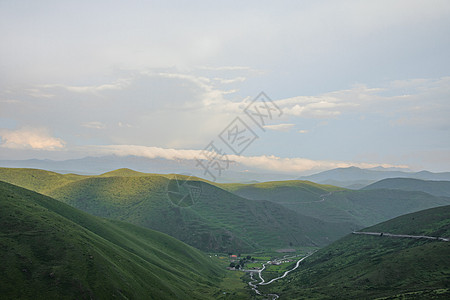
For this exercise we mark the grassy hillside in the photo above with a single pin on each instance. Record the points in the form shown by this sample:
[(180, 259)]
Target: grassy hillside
[(287, 190), (369, 267), (332, 204), (436, 188), (218, 220), (49, 250), (37, 180), (124, 172)]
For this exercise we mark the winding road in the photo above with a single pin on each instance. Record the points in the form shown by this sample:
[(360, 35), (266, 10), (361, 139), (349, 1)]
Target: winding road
[(254, 285), (381, 234)]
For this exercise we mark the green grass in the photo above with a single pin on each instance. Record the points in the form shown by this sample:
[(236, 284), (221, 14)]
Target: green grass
[(37, 180), (273, 271), (234, 284), (219, 221), (51, 250), (368, 267), (357, 209)]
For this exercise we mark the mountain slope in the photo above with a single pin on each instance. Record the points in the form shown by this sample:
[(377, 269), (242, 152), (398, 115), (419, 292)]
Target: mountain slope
[(217, 220), (369, 267), (436, 188), (220, 221), (51, 250), (332, 204), (37, 180)]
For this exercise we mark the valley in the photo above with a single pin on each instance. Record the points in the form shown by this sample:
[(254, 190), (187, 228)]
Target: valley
[(286, 228)]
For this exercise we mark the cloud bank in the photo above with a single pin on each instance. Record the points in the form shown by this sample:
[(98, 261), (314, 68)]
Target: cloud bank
[(30, 138), (270, 163)]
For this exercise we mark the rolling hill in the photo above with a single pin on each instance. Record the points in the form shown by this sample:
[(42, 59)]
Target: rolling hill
[(374, 267), (49, 250), (37, 180), (436, 188), (218, 221), (361, 208)]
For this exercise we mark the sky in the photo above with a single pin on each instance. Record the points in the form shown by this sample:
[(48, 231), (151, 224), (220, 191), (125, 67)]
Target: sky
[(349, 83)]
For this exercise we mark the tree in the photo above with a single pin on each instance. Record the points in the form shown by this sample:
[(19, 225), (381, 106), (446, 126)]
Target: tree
[(232, 265), (237, 267), (249, 257)]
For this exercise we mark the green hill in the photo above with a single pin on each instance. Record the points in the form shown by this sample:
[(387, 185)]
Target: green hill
[(49, 250), (332, 204), (436, 188), (37, 180), (124, 172), (372, 267), (300, 213), (217, 221)]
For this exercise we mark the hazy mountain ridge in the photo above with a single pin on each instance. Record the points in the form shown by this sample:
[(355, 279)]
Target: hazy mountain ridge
[(357, 177), (98, 165), (436, 188)]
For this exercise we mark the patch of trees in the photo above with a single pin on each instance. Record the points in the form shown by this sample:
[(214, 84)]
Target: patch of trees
[(242, 262)]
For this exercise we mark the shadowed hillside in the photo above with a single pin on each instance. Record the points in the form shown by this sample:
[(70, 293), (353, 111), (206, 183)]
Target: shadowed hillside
[(216, 221), (332, 204), (49, 250)]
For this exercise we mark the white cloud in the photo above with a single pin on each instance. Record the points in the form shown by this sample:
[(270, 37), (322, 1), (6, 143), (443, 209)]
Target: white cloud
[(232, 80), (94, 125), (124, 125), (30, 138), (38, 93), (9, 101), (149, 152), (406, 102), (119, 84), (280, 127), (225, 68), (303, 131), (264, 162)]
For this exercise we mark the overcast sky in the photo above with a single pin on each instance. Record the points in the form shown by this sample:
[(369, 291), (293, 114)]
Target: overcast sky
[(362, 83)]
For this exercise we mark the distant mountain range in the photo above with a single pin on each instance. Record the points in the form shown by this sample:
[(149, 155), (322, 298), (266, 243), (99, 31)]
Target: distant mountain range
[(352, 177), (356, 178), (97, 165)]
